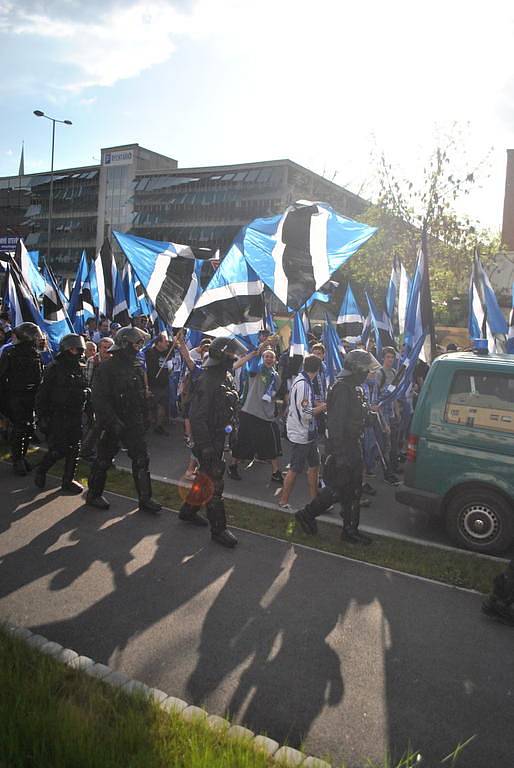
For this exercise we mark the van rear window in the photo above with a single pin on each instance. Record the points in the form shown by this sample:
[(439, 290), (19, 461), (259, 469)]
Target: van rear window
[(483, 401)]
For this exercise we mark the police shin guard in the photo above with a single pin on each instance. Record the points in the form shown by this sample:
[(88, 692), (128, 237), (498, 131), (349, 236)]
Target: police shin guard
[(143, 485), (218, 522), (96, 485), (306, 517), (18, 450), (43, 467), (69, 484)]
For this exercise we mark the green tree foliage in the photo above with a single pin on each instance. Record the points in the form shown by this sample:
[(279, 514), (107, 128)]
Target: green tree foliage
[(404, 210)]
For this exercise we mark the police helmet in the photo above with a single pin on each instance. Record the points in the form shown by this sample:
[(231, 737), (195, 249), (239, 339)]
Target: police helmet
[(129, 335), (72, 341), (28, 332), (359, 361), (224, 350)]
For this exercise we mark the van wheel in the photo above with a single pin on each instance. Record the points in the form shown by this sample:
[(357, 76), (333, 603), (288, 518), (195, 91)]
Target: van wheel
[(480, 520)]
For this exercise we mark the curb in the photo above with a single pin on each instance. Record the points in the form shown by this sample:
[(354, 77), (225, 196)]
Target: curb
[(282, 755)]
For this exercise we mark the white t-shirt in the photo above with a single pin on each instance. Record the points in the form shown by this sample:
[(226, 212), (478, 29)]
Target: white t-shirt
[(301, 424)]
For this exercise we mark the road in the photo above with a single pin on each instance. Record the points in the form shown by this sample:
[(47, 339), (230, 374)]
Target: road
[(347, 658)]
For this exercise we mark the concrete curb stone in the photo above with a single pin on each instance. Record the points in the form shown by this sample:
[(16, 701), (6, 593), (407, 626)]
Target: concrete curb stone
[(288, 756), (285, 756), (240, 732)]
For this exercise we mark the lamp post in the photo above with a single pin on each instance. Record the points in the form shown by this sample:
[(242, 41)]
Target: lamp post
[(39, 113)]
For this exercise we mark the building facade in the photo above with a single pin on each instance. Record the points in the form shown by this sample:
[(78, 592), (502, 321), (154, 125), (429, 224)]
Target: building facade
[(136, 190)]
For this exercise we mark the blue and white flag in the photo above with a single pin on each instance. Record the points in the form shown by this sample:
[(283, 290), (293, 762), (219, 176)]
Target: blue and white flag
[(296, 253), (404, 376), (33, 278), (381, 326), (419, 318), (54, 320), (80, 278), (510, 335), (22, 307), (105, 275), (233, 302), (168, 273), (120, 312), (350, 319), (298, 345), (137, 302), (333, 354), (85, 307), (486, 320), (397, 294)]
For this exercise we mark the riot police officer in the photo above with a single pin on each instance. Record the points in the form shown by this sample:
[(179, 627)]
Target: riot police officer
[(347, 415), (213, 409), (120, 404), (60, 403), (20, 376)]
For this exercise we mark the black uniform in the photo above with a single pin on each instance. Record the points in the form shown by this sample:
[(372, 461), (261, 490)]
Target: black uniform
[(347, 415), (120, 406), (213, 407), (21, 371), (60, 403)]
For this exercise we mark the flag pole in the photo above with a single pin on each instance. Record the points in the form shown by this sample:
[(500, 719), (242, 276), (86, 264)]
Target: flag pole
[(428, 292)]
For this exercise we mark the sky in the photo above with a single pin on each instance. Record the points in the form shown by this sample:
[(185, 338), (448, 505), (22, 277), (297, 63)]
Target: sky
[(329, 84)]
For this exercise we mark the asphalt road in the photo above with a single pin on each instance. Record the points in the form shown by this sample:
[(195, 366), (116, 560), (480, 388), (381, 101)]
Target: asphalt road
[(349, 659)]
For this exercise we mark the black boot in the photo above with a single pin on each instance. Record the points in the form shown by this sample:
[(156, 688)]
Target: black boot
[(143, 485), (42, 468), (189, 514), (308, 523), (218, 521), (69, 485), (96, 485), (349, 536)]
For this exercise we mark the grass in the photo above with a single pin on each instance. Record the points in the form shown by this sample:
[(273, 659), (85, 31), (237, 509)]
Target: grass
[(53, 716), (449, 567)]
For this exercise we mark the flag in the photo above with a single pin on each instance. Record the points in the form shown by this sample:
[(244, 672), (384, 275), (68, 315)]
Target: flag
[(405, 373), (22, 307), (233, 301), (34, 280), (21, 169), (298, 344), (168, 273), (120, 312), (80, 277), (510, 337), (381, 326), (397, 294), (350, 319), (486, 319), (54, 320), (393, 288), (269, 322), (296, 253), (333, 354), (419, 319), (85, 305), (105, 274)]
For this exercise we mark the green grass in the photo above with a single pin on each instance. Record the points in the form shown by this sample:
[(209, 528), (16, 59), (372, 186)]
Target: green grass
[(52, 716), (450, 567)]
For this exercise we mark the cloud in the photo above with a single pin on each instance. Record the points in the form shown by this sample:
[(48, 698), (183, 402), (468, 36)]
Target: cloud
[(115, 43)]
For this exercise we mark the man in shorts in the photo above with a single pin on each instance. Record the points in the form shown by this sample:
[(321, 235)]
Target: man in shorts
[(302, 430)]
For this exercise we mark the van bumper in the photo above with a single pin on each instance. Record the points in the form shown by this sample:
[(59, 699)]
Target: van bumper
[(424, 500)]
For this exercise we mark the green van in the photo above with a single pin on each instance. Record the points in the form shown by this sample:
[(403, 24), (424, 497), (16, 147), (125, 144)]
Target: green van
[(460, 453)]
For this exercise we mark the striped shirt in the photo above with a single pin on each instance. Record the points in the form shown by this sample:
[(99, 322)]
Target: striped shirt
[(301, 424)]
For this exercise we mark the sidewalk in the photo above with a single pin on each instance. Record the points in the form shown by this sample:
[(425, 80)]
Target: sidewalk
[(348, 658)]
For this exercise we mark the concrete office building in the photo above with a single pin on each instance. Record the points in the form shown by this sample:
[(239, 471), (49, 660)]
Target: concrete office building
[(136, 190)]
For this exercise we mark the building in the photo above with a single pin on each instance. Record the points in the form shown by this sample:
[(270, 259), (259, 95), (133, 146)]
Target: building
[(136, 190)]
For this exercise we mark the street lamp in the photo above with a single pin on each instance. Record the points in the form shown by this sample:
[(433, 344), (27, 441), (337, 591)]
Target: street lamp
[(39, 113)]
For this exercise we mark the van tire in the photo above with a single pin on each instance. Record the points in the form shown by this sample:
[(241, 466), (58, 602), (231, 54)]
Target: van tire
[(490, 508)]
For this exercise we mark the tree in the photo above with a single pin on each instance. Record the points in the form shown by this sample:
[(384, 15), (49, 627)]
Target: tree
[(405, 212)]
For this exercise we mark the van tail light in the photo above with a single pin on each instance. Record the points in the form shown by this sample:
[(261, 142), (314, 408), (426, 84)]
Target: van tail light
[(412, 447)]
